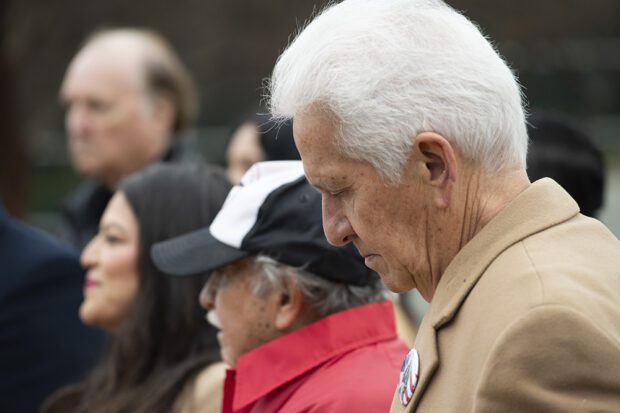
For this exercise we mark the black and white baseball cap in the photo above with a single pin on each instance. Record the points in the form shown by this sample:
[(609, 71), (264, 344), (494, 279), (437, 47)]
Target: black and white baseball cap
[(273, 211)]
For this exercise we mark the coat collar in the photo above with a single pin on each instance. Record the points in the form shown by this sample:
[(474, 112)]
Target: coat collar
[(542, 205)]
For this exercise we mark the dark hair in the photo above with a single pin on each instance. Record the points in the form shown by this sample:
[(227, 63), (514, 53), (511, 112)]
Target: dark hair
[(165, 342), (559, 150), (275, 137), (164, 73)]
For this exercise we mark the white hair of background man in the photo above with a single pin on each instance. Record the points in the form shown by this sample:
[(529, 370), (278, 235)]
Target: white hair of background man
[(390, 69)]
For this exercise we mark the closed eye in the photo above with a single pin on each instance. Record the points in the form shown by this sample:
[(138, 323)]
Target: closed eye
[(333, 193), (112, 239)]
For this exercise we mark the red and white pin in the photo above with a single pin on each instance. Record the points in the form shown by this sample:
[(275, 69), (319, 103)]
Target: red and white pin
[(409, 373)]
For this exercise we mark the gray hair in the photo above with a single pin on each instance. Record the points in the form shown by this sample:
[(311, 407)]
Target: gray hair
[(323, 296), (388, 70)]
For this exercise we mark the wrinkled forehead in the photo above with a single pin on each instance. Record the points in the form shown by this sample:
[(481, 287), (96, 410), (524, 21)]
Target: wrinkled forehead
[(316, 138), (316, 116), (314, 128)]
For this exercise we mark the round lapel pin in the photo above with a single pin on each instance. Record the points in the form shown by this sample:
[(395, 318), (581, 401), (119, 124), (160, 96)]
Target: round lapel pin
[(408, 377)]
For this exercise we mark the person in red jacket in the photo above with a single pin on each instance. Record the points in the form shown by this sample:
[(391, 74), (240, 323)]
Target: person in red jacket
[(305, 326)]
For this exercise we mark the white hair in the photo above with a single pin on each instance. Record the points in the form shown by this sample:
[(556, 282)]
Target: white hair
[(323, 296), (388, 70)]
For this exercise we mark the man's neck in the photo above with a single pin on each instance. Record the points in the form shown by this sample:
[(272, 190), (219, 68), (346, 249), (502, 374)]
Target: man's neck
[(486, 195)]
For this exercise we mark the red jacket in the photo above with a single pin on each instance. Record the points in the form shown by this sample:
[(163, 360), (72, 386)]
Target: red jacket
[(346, 362)]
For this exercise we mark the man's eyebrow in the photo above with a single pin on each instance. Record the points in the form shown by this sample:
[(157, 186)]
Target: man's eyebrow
[(328, 184)]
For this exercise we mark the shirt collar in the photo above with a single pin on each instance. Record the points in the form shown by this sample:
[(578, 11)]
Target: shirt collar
[(294, 354)]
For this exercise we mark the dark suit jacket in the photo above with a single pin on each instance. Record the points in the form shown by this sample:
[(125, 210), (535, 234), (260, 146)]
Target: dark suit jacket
[(84, 207), (43, 344)]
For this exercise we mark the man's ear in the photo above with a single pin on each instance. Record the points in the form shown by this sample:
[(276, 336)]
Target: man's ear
[(290, 307), (164, 112), (436, 162)]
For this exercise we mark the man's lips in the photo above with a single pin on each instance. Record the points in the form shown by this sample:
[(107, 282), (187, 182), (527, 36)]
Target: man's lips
[(361, 251), (370, 260), (365, 254)]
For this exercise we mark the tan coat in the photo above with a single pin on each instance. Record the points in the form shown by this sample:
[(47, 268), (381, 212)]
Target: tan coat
[(526, 318)]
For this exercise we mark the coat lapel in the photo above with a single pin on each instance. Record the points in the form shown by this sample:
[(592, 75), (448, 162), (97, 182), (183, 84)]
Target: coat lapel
[(516, 222), (426, 345), (541, 206)]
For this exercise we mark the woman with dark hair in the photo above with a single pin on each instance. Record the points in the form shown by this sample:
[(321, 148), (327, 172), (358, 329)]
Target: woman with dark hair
[(161, 352), (256, 138)]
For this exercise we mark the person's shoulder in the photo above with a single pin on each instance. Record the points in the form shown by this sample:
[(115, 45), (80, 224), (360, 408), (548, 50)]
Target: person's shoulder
[(578, 238), (205, 392), (210, 381), (556, 265), (30, 255), (359, 390), (81, 211), (577, 256), (81, 196), (30, 242), (381, 358), (549, 349), (361, 380)]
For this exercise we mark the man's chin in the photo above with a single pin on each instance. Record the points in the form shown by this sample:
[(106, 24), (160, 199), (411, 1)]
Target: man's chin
[(396, 283), (87, 169)]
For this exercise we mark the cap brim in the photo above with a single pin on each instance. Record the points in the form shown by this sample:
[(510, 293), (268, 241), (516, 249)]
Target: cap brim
[(197, 252)]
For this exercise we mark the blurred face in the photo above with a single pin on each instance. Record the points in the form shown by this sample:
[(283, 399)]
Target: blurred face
[(245, 320), (111, 261), (110, 121), (387, 224), (243, 151)]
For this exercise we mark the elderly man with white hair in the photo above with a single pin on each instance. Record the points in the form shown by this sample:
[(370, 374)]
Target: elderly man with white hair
[(129, 103), (413, 129)]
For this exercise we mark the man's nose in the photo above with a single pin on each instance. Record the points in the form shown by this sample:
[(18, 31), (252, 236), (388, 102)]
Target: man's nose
[(76, 120), (207, 297), (337, 227)]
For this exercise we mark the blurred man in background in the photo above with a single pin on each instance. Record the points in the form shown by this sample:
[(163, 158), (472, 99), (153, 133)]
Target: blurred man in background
[(128, 98), (256, 138)]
